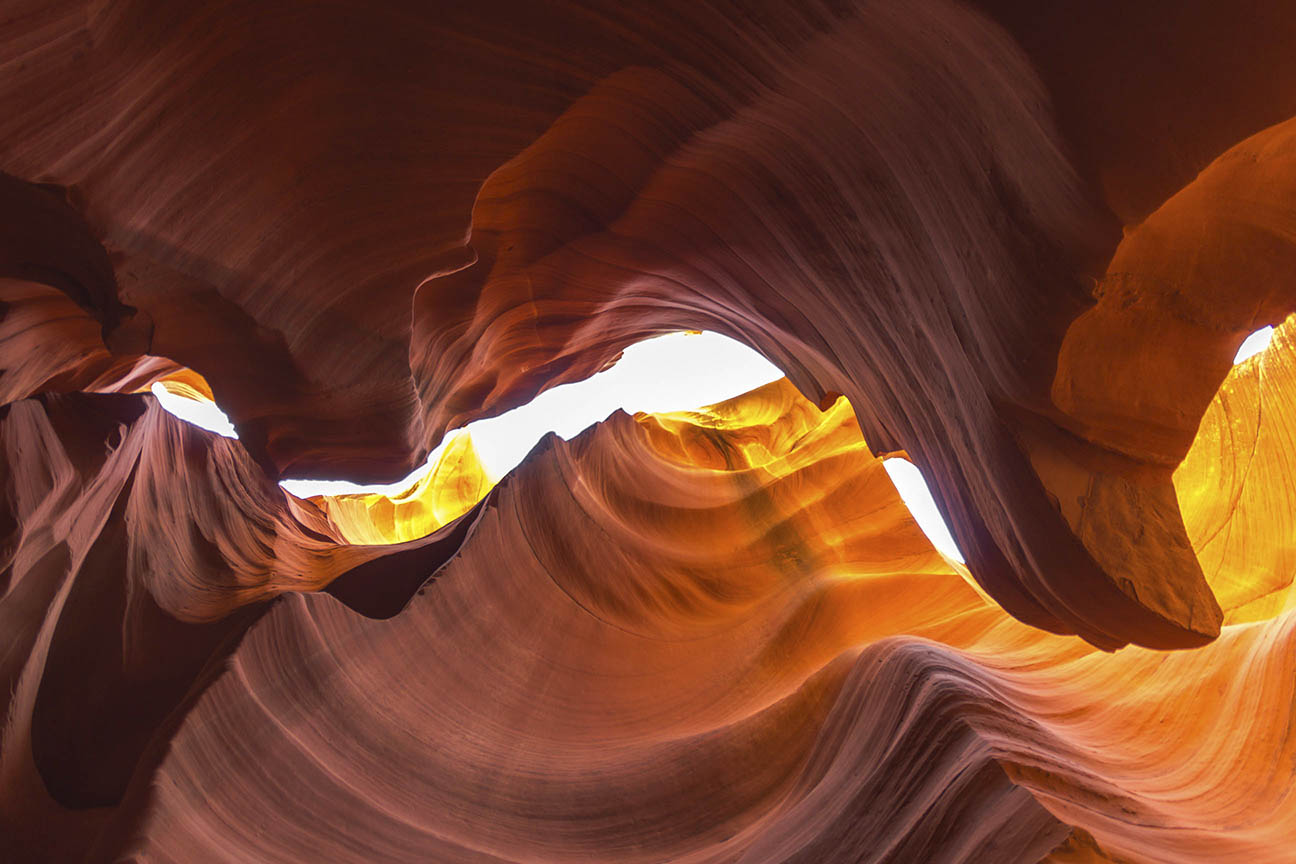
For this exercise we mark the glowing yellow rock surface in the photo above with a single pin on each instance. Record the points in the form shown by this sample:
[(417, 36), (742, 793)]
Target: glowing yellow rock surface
[(450, 487), (1236, 486)]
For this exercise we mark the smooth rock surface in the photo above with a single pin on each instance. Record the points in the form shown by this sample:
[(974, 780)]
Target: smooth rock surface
[(1017, 243)]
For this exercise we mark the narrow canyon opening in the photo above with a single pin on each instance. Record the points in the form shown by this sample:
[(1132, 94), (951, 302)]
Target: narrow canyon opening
[(678, 372), (781, 432)]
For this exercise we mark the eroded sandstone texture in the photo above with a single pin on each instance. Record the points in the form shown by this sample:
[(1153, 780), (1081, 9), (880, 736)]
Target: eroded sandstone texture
[(1017, 242)]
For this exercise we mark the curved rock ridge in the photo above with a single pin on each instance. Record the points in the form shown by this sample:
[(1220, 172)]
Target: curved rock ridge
[(696, 224), (1017, 243), (136, 550), (637, 171), (52, 345), (671, 552), (711, 636)]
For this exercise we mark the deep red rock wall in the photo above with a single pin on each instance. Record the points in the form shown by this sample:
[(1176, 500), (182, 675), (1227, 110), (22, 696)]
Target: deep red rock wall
[(1022, 240)]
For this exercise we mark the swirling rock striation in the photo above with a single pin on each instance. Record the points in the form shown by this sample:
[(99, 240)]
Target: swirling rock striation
[(715, 636)]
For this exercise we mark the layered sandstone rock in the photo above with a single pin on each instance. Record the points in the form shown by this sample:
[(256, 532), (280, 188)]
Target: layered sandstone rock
[(716, 637), (1018, 245)]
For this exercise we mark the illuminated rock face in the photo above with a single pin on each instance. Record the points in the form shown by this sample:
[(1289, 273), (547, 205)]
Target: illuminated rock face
[(965, 233)]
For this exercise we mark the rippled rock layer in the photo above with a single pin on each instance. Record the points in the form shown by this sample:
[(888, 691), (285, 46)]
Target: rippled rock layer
[(1016, 245)]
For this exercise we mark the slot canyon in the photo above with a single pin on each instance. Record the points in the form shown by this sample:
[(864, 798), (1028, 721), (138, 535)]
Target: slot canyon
[(1018, 245)]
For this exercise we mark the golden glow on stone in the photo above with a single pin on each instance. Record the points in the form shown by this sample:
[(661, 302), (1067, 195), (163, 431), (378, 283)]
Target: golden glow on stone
[(1235, 485), (455, 482)]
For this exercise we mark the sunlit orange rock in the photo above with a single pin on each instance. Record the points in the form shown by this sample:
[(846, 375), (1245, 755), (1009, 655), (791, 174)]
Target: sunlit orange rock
[(448, 489), (731, 608), (1236, 487), (1017, 243)]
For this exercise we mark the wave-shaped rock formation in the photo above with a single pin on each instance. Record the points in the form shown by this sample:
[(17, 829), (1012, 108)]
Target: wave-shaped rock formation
[(1016, 243)]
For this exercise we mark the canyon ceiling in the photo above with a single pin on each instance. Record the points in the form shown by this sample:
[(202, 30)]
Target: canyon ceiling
[(1017, 243)]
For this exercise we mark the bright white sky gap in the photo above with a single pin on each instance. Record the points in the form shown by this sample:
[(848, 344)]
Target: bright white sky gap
[(1254, 344), (204, 414), (679, 372), (909, 482)]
